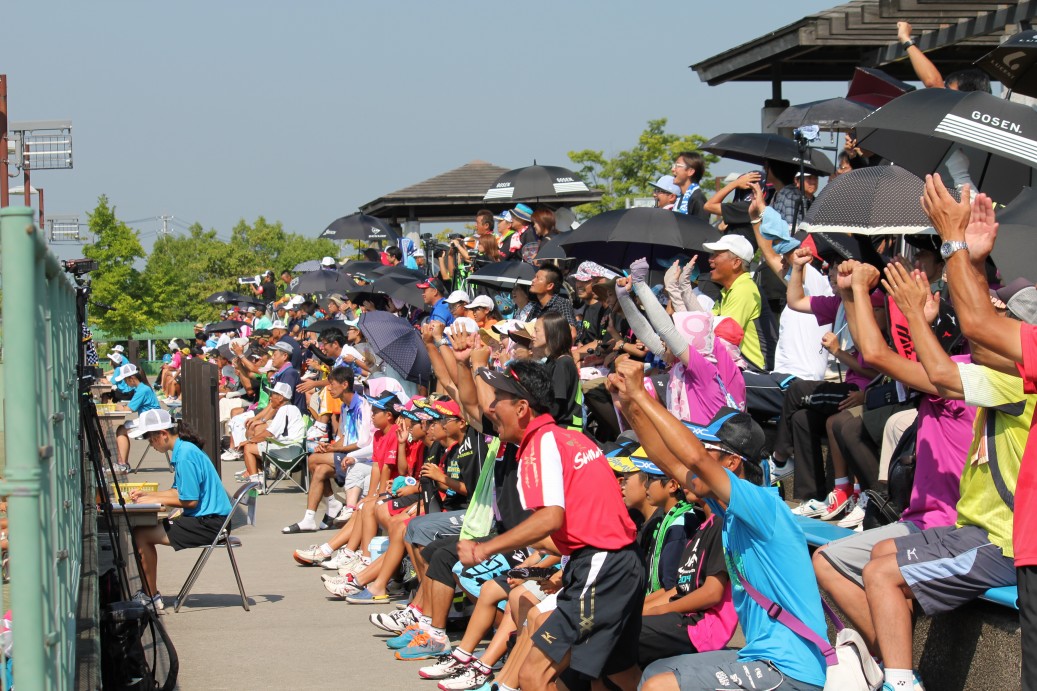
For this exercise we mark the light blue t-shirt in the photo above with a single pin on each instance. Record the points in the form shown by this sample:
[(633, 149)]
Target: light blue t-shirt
[(195, 479), (144, 398), (762, 539), (123, 387)]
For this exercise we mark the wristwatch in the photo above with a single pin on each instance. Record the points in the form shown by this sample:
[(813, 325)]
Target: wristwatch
[(907, 44), (949, 248)]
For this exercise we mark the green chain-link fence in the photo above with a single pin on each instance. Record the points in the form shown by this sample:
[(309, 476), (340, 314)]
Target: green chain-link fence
[(43, 478)]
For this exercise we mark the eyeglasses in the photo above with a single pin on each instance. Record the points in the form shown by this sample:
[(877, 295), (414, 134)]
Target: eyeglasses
[(721, 449), (680, 165)]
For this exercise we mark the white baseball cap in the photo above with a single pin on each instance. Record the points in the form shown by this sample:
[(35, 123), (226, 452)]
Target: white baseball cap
[(281, 389), (735, 244), (278, 324), (481, 301), (125, 371), (327, 261), (118, 349), (151, 421), (457, 296)]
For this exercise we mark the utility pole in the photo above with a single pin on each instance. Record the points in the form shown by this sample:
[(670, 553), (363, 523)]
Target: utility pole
[(165, 218)]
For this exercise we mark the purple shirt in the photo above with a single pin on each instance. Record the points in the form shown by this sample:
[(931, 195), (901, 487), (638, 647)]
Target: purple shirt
[(944, 437), (825, 308)]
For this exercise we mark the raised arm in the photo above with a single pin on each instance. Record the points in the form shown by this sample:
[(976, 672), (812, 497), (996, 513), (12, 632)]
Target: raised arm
[(713, 206), (757, 209), (955, 221), (922, 65), (687, 457), (869, 340), (795, 296), (909, 292)]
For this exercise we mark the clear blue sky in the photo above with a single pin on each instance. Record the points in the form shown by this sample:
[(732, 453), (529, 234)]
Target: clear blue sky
[(300, 112)]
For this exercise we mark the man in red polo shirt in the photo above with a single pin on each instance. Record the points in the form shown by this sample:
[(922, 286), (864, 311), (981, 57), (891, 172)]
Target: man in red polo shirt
[(968, 234), (567, 483)]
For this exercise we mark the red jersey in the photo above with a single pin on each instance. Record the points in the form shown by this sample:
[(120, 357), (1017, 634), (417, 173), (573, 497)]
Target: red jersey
[(560, 467), (415, 457), (1024, 530), (384, 451)]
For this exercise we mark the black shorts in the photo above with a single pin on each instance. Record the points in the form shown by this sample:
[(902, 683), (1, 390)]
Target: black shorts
[(192, 531), (598, 617)]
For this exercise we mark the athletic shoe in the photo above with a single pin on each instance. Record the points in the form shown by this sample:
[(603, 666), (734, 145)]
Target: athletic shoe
[(854, 513), (343, 516), (780, 471), (311, 556), (393, 622), (836, 501), (405, 637), (231, 455), (811, 508), (145, 599), (366, 597), (423, 647), (341, 586), (446, 666), (339, 559), (467, 678), (358, 564)]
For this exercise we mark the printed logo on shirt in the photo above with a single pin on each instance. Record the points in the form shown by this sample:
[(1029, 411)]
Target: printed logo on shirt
[(584, 457), (547, 637)]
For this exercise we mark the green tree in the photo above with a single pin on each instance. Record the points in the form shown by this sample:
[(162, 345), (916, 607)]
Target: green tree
[(183, 270), (116, 283), (630, 172)]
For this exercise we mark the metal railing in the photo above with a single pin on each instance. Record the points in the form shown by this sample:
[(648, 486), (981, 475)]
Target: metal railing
[(43, 478)]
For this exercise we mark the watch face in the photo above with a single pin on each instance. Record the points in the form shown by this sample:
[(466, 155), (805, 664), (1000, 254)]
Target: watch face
[(946, 250)]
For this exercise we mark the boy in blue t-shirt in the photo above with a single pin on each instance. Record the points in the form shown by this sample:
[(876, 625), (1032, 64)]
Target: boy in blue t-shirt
[(762, 543)]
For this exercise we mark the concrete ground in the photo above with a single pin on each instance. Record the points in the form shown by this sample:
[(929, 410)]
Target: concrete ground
[(296, 635)]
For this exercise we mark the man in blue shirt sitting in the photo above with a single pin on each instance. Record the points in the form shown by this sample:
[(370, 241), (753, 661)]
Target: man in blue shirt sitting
[(142, 400), (763, 547)]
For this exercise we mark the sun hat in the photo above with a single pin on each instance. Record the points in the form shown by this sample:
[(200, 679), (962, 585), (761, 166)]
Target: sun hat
[(151, 421), (523, 213), (775, 229), (283, 347)]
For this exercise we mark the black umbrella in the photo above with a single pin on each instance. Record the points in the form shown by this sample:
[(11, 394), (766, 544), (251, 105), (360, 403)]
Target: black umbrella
[(880, 200), (401, 287), (362, 269), (754, 147), (535, 182), (398, 343), (322, 325), (322, 282), (307, 266), (1015, 251), (228, 325), (227, 296), (1014, 63), (922, 130), (503, 274), (829, 114), (400, 271), (360, 227), (617, 238)]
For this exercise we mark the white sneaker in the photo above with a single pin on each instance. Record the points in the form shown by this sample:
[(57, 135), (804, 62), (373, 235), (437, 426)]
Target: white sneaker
[(231, 455), (343, 516), (258, 477), (855, 515), (340, 586), (467, 678), (393, 622), (446, 667), (355, 566), (781, 471), (311, 556), (811, 508), (339, 559)]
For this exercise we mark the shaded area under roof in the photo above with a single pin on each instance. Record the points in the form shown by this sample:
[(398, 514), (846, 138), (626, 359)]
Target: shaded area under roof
[(456, 195), (828, 45)]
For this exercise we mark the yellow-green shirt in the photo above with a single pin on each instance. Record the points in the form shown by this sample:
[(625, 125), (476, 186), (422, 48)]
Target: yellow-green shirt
[(993, 393), (742, 302)]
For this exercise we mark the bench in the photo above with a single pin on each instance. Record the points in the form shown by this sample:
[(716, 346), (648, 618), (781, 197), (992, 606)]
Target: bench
[(820, 533)]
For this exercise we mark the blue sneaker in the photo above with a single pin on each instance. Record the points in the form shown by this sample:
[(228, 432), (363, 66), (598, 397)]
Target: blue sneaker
[(404, 639), (423, 647)]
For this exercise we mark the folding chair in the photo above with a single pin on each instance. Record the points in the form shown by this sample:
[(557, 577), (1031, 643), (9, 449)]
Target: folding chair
[(245, 496), (283, 460)]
